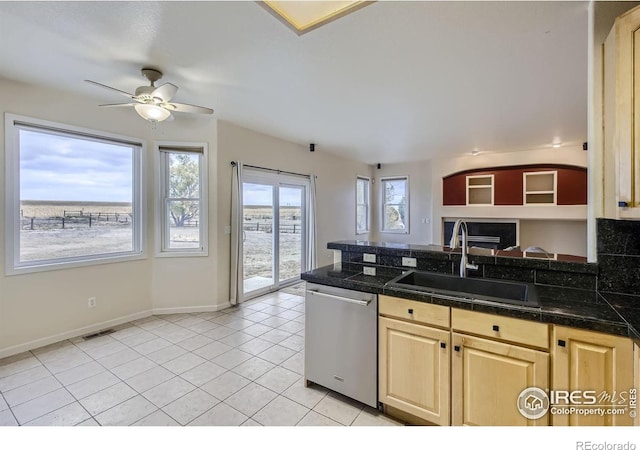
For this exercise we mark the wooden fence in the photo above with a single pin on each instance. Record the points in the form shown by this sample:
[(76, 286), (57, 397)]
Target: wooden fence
[(267, 227), (75, 218)]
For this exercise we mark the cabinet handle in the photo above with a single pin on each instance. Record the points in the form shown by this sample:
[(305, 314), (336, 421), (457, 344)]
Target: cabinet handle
[(562, 343), (496, 328), (456, 348), (410, 310), (443, 345)]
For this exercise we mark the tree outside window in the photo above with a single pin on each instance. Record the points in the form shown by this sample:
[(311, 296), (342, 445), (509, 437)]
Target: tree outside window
[(183, 191), (395, 208)]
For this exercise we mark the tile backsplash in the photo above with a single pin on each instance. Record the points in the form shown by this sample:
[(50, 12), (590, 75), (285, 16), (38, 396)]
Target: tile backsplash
[(618, 247), (539, 271)]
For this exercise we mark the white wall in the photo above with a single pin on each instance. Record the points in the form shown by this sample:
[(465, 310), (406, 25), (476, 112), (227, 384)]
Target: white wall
[(573, 155), (555, 236), (39, 308), (336, 188), (420, 202)]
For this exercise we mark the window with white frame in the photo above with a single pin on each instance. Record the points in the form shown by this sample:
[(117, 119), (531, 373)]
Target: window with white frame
[(362, 205), (183, 187), (395, 204), (73, 196)]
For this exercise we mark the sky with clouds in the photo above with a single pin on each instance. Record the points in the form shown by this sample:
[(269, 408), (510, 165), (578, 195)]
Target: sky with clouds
[(262, 195), (71, 169), (64, 168)]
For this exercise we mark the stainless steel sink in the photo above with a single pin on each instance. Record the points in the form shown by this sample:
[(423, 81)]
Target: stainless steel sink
[(483, 289)]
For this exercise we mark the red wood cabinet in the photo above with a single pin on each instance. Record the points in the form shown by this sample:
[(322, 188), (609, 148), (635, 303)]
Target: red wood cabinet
[(508, 189)]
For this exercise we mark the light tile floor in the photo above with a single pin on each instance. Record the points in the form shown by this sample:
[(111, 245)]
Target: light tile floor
[(240, 366)]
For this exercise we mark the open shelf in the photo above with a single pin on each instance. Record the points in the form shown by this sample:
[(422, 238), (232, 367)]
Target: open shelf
[(540, 188), (480, 190)]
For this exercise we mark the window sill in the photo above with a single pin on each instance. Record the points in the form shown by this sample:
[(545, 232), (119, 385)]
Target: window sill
[(395, 231), (62, 265), (182, 254)]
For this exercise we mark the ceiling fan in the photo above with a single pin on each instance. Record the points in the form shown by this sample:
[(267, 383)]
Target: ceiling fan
[(154, 103)]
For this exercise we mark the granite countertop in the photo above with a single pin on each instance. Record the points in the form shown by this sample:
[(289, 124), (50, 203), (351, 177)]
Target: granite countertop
[(580, 308)]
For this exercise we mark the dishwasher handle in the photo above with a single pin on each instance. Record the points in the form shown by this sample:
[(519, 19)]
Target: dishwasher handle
[(340, 298)]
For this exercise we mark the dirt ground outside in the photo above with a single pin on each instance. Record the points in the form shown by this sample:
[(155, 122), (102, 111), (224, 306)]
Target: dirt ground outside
[(48, 240)]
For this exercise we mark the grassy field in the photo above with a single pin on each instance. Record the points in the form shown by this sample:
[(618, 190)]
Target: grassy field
[(258, 245), (48, 240), (42, 209), (51, 241)]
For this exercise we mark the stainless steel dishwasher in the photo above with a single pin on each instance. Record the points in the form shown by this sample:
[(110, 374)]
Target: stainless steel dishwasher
[(341, 351)]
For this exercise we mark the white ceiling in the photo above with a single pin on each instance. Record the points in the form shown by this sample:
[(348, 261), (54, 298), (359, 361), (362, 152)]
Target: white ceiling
[(394, 81)]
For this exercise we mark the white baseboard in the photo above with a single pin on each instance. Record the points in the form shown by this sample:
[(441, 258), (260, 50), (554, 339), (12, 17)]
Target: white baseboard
[(37, 343), (190, 309)]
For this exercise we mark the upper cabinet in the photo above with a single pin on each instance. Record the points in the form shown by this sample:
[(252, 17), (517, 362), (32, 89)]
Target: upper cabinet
[(516, 186), (622, 109)]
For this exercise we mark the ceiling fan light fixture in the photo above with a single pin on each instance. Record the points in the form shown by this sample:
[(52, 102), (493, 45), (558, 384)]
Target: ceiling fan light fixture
[(152, 113)]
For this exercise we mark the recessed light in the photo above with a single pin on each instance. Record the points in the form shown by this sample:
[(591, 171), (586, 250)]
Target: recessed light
[(556, 144), (475, 152)]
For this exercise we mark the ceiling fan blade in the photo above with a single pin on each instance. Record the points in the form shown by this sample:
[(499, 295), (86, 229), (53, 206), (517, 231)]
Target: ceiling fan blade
[(183, 107), (165, 92), (118, 104), (126, 94)]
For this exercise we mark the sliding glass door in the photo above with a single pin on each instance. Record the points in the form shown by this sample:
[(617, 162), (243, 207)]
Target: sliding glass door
[(274, 231)]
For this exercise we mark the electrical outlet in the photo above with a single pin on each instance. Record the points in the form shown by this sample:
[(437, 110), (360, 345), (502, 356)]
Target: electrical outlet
[(369, 271), (409, 262), (369, 257), (91, 303), (227, 229)]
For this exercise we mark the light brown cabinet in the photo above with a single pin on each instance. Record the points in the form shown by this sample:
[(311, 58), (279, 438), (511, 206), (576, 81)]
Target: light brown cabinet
[(413, 356), (589, 361), (488, 377), (414, 369), (451, 366), (622, 109)]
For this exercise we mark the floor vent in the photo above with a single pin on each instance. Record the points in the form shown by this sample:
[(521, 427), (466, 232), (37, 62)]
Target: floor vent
[(98, 334)]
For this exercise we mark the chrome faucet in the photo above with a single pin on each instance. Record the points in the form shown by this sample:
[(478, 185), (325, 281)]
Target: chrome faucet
[(464, 262)]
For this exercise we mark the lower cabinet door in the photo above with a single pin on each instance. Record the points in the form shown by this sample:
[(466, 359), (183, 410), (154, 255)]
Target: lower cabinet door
[(597, 370), (414, 369), (488, 378)]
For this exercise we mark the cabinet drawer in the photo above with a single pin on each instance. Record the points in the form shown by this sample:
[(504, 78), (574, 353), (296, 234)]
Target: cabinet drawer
[(525, 332), (436, 315)]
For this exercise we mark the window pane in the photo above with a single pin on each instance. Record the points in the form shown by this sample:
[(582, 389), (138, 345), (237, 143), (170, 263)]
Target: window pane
[(360, 191), (75, 197), (394, 217), (361, 214), (395, 191), (184, 175), (184, 224), (291, 200)]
